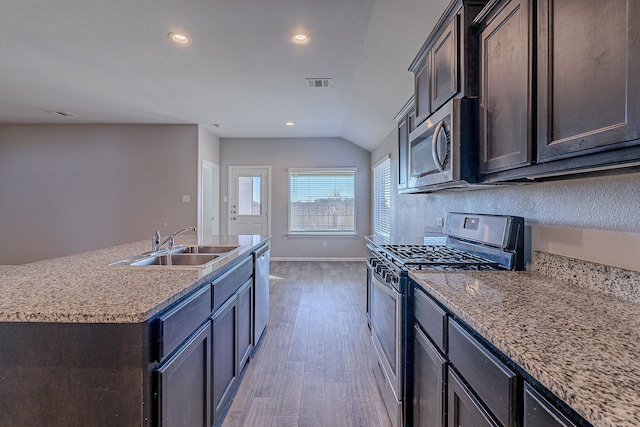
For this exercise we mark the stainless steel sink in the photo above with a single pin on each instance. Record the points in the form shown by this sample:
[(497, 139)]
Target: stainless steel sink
[(180, 259), (209, 249), (199, 256)]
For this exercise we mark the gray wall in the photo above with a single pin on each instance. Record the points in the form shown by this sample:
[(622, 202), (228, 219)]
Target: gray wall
[(567, 211), (72, 188), (282, 154)]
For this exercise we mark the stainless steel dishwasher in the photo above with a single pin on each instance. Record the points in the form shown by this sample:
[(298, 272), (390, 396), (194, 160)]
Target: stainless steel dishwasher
[(261, 292)]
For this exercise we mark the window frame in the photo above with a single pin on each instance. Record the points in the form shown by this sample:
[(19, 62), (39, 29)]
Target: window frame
[(323, 233), (376, 227)]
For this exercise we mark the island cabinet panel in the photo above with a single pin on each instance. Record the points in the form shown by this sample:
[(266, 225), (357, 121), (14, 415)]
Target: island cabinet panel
[(588, 92), (505, 88), (183, 383), (225, 350), (74, 374), (245, 323), (180, 321)]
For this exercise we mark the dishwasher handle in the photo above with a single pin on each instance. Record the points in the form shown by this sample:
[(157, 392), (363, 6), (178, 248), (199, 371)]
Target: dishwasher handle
[(261, 251)]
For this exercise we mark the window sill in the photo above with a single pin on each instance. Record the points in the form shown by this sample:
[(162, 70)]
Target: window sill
[(322, 234)]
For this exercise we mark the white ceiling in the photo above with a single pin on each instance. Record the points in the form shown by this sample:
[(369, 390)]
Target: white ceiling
[(110, 61)]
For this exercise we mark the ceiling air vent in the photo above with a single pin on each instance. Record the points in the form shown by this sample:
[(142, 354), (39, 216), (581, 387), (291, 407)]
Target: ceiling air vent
[(62, 113), (318, 83)]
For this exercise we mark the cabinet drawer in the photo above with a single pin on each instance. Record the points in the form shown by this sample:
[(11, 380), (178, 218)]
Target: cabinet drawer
[(538, 412), (494, 383), (176, 324), (431, 318), (227, 284)]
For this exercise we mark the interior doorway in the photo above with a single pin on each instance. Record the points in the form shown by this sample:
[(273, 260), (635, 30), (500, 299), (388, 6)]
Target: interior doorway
[(209, 218)]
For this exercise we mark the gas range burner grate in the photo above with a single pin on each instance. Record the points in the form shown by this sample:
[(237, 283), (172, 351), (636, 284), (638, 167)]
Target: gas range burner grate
[(418, 257)]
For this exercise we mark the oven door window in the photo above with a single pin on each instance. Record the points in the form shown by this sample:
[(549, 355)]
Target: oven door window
[(384, 318)]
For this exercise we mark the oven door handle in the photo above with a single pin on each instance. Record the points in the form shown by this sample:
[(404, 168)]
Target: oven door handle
[(384, 286)]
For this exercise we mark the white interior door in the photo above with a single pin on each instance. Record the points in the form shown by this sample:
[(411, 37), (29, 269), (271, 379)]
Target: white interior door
[(209, 223), (249, 200)]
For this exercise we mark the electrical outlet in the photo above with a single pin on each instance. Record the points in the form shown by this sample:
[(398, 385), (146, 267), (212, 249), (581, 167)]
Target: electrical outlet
[(440, 222), (324, 244)]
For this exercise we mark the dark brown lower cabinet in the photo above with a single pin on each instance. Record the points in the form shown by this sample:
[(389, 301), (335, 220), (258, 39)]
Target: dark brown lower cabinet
[(183, 383), (539, 412), (225, 352), (463, 408), (429, 376), (245, 323)]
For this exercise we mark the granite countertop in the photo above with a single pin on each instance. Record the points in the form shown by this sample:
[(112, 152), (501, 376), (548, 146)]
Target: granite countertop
[(83, 288), (578, 342)]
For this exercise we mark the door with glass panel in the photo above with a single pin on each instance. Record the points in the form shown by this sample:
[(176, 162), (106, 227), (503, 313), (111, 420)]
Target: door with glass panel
[(249, 200)]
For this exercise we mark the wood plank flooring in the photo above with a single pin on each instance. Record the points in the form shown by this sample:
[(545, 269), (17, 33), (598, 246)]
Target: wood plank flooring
[(313, 367)]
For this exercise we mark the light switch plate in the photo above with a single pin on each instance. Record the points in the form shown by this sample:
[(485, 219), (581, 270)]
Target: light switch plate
[(186, 198)]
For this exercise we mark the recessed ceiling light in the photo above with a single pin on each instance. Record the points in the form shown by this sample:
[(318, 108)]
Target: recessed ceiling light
[(300, 38), (288, 123), (179, 38)]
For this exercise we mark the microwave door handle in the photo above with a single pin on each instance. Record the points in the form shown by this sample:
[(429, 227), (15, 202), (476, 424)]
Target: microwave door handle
[(434, 146)]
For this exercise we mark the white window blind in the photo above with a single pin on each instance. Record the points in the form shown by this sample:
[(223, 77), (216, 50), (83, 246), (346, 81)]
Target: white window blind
[(322, 201), (382, 197)]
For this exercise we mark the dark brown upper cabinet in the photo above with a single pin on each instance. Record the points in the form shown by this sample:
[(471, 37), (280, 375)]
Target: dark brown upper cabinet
[(446, 65), (506, 107), (588, 97), (406, 123), (557, 92)]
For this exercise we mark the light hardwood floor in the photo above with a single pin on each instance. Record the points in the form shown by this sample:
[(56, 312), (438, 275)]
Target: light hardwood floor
[(313, 367)]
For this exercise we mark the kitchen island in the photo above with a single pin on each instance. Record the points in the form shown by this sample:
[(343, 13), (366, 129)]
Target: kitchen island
[(85, 343), (577, 341)]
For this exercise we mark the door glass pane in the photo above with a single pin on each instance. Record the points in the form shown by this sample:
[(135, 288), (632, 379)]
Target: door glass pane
[(249, 195)]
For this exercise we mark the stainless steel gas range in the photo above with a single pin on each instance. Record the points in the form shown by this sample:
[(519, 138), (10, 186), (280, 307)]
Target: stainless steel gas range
[(473, 242)]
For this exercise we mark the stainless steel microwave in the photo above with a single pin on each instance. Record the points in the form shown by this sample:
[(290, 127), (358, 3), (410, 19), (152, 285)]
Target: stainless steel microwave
[(443, 150)]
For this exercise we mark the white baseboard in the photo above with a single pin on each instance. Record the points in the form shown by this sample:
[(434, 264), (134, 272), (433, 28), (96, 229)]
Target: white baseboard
[(344, 259)]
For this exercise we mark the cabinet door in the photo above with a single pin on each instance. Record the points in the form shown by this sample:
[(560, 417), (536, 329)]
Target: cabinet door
[(245, 323), (463, 408), (224, 352), (444, 69), (403, 152), (429, 374), (423, 89), (538, 412), (588, 92), (184, 383), (505, 88)]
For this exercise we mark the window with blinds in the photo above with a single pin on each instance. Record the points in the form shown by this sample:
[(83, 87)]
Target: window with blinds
[(382, 197), (322, 201)]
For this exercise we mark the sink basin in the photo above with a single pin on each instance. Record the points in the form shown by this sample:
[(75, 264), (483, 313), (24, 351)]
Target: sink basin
[(199, 256), (176, 259), (209, 249), (168, 260)]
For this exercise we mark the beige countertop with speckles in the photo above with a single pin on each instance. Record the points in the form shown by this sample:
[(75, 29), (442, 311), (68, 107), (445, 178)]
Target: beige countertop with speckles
[(578, 342), (83, 288)]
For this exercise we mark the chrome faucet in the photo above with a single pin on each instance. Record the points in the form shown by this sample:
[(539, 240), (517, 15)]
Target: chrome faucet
[(172, 236), (155, 238)]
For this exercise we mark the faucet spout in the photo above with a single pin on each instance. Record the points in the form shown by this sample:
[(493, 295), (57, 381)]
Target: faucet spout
[(171, 238)]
